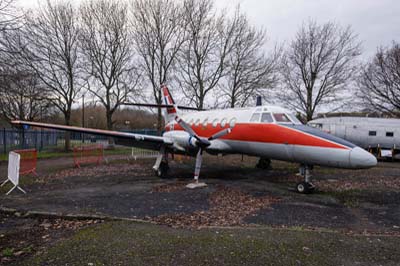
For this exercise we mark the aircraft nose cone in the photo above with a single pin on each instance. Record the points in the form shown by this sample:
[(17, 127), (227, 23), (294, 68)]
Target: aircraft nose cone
[(360, 158)]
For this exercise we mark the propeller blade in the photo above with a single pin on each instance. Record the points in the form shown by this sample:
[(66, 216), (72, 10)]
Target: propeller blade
[(220, 134), (200, 141), (186, 127), (199, 159)]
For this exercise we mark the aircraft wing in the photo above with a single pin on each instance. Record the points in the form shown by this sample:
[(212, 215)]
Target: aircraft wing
[(121, 138)]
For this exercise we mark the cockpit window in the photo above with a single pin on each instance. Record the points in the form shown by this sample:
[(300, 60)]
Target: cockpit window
[(282, 118), (255, 117), (266, 118), (294, 119)]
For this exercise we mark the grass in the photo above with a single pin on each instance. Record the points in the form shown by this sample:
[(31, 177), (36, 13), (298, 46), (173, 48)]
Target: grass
[(125, 243), (7, 252), (350, 198)]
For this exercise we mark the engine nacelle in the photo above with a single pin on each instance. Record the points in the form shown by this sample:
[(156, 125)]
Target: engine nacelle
[(182, 140)]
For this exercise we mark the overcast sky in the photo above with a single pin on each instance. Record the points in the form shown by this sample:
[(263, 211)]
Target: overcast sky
[(377, 22)]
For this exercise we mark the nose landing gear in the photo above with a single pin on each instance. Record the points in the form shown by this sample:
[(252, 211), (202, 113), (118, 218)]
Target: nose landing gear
[(305, 187)]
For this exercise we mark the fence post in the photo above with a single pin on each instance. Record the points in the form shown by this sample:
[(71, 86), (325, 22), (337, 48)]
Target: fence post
[(4, 140), (35, 133), (41, 139), (23, 138)]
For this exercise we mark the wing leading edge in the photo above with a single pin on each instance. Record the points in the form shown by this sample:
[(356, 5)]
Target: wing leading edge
[(122, 138)]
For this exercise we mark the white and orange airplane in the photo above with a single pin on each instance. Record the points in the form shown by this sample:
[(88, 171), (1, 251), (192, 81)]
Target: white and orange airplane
[(263, 131)]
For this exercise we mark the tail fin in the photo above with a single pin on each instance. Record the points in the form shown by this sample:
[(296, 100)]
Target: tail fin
[(171, 112)]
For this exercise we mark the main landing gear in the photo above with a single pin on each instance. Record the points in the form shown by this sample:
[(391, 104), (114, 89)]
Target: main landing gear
[(264, 163), (161, 166), (305, 187), (162, 171)]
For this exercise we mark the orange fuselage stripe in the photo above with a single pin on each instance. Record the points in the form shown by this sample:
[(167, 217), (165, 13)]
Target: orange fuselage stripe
[(267, 133)]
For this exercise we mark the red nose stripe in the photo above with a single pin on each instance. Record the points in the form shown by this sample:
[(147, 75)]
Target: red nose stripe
[(268, 133)]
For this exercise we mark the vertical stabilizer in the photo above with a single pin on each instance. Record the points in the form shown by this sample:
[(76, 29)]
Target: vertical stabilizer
[(170, 112)]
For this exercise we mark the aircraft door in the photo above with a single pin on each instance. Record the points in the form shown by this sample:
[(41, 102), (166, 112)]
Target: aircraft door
[(338, 130)]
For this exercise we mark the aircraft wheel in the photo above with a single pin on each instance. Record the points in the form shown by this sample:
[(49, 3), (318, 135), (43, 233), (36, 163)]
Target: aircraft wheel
[(305, 188), (162, 171), (264, 163)]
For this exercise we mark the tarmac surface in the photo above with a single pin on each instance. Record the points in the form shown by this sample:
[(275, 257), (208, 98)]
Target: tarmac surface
[(130, 190)]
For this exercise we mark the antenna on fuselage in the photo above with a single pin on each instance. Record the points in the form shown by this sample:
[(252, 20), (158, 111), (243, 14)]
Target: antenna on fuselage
[(258, 101)]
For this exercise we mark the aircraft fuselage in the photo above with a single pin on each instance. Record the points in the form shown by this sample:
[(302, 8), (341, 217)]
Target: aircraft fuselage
[(288, 141)]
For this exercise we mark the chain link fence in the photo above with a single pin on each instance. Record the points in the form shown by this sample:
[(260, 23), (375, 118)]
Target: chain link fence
[(11, 139)]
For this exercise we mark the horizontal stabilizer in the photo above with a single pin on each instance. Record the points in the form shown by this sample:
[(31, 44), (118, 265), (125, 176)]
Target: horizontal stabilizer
[(163, 106)]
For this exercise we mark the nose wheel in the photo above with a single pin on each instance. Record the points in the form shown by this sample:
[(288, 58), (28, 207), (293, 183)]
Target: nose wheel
[(305, 187)]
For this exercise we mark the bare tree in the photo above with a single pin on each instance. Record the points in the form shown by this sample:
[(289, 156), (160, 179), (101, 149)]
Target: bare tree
[(48, 46), (203, 55), (9, 15), (317, 66), (379, 81), (9, 19), (108, 51), (21, 96), (249, 70), (158, 34)]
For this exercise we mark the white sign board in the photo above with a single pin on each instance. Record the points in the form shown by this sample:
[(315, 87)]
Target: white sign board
[(13, 171), (13, 167), (386, 153)]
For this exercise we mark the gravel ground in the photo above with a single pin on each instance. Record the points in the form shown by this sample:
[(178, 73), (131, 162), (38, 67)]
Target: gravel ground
[(237, 194)]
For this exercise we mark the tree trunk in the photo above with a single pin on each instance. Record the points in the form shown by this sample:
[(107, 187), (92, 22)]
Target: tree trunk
[(67, 135), (159, 121), (110, 127), (309, 113)]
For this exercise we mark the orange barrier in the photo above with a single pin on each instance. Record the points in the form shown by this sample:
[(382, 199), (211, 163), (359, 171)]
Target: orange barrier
[(180, 157), (28, 161), (88, 154)]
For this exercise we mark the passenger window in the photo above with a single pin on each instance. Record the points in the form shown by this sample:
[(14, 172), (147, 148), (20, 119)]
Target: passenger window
[(215, 122), (197, 122), (372, 133), (266, 118), (205, 122), (282, 118), (223, 122), (389, 134), (255, 117), (232, 122)]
